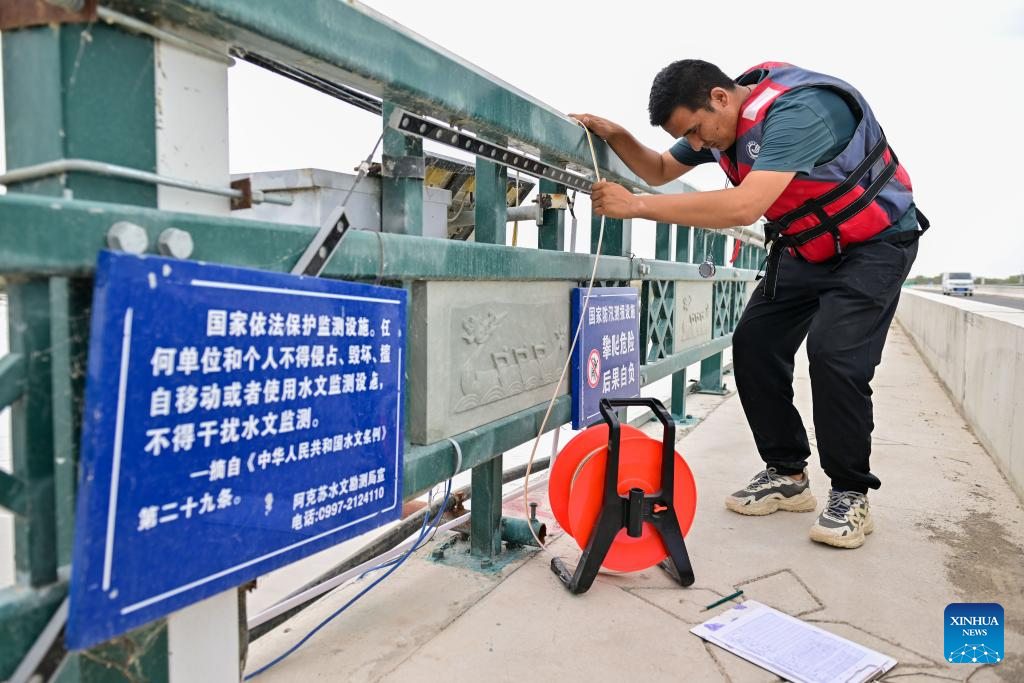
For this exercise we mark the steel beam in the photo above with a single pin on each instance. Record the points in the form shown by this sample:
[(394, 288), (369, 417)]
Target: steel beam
[(12, 378), (344, 42), (59, 237), (12, 494)]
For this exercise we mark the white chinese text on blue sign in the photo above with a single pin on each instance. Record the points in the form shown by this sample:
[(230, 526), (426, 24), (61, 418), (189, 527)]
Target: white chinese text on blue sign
[(236, 421), (606, 360)]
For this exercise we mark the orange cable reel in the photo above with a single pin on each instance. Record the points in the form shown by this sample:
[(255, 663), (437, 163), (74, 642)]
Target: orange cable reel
[(576, 492)]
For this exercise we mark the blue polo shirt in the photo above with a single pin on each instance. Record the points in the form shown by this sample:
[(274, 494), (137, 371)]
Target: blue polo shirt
[(804, 128)]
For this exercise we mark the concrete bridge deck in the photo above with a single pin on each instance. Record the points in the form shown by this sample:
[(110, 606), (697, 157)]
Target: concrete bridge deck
[(948, 529)]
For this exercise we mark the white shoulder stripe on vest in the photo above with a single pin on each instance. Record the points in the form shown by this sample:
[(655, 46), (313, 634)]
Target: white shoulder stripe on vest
[(766, 96)]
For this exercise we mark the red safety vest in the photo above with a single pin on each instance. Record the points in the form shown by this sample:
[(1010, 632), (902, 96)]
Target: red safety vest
[(849, 199)]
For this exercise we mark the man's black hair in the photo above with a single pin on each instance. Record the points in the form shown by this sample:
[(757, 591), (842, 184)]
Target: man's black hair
[(686, 83)]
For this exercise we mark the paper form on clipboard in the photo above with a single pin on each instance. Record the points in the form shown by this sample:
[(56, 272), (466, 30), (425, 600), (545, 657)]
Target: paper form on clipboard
[(792, 648)]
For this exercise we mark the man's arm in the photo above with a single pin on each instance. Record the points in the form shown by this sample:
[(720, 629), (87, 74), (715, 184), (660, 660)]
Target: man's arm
[(735, 206), (653, 167)]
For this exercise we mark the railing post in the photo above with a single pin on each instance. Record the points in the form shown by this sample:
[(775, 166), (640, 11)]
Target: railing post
[(485, 520), (663, 242), (35, 534), (70, 301), (711, 367), (618, 236), (684, 236), (491, 209), (401, 198), (71, 91), (551, 235)]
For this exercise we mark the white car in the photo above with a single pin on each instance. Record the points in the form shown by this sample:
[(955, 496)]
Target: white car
[(957, 283)]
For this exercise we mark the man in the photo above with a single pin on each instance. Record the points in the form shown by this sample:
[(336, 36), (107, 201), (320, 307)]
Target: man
[(804, 150)]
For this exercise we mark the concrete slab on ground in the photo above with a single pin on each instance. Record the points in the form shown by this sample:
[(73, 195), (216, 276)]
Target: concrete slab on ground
[(949, 529)]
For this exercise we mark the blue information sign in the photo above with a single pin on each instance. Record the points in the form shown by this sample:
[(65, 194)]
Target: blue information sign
[(606, 362), (235, 421)]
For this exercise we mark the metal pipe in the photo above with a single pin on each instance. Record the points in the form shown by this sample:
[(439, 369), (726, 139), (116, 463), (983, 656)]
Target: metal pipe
[(62, 166), (749, 235), (410, 524), (133, 24), (270, 618), (526, 212), (517, 532)]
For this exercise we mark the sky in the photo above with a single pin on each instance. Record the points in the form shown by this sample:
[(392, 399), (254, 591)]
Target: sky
[(938, 76)]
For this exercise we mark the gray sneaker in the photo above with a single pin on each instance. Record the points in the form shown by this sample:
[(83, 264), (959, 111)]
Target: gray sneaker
[(769, 491), (845, 521)]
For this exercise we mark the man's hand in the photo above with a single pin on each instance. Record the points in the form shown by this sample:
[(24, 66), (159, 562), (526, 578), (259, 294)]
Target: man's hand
[(612, 200), (602, 128)]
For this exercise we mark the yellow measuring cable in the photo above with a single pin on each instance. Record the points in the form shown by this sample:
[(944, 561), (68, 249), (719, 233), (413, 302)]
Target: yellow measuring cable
[(568, 360)]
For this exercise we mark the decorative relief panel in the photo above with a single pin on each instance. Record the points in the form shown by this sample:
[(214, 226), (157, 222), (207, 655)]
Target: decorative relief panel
[(482, 351), (504, 357), (694, 315)]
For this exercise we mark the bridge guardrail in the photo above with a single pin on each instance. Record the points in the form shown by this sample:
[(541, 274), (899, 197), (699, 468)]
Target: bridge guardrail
[(58, 107)]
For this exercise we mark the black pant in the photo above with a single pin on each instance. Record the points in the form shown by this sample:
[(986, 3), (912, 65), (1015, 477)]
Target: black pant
[(844, 310)]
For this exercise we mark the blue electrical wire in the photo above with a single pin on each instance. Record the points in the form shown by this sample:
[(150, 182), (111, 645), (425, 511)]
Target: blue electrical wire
[(394, 565), (424, 535)]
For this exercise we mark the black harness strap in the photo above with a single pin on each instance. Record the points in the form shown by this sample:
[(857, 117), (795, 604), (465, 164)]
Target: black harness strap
[(777, 244), (827, 224), (815, 205), (831, 223)]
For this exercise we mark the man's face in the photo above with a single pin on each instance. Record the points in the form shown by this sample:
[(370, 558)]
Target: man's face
[(713, 128)]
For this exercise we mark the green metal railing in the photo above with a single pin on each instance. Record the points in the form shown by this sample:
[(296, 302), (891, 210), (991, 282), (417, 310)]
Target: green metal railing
[(84, 90)]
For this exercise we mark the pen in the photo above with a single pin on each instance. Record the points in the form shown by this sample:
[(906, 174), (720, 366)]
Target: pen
[(727, 598)]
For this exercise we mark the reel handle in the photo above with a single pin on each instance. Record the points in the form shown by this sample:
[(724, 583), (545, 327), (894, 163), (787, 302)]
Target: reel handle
[(664, 417), (668, 437), (631, 511)]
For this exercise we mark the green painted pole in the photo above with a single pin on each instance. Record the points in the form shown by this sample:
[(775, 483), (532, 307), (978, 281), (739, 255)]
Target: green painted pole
[(618, 236), (485, 510), (85, 91), (663, 242), (485, 518), (551, 235), (684, 238), (35, 534), (401, 197), (70, 302), (491, 209)]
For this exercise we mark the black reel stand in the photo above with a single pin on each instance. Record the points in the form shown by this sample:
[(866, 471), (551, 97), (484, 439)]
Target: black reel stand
[(630, 511)]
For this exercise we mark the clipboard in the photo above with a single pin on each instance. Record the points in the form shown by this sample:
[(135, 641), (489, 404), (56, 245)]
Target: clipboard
[(792, 648)]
